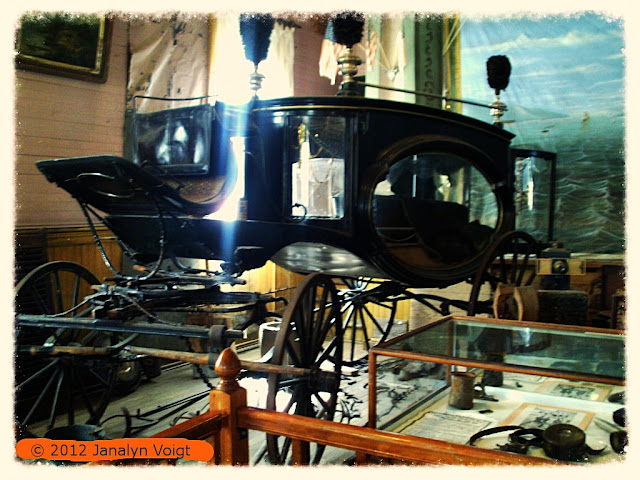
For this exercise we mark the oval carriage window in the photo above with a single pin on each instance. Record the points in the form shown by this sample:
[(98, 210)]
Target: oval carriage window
[(434, 210)]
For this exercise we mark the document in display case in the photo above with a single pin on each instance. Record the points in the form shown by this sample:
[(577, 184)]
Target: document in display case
[(527, 377)]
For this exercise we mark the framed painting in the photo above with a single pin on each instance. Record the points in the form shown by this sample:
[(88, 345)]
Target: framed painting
[(65, 44)]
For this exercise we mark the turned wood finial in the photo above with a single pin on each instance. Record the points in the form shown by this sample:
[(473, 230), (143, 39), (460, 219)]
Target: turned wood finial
[(227, 367)]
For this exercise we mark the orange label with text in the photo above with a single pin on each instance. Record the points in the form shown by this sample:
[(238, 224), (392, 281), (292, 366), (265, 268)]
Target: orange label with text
[(121, 449)]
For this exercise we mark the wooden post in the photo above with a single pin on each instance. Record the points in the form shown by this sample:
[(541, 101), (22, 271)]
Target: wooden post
[(300, 452), (373, 414), (227, 397), (362, 458)]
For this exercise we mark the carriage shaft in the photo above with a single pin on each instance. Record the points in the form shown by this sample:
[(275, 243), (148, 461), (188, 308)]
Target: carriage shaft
[(189, 357), (209, 359), (50, 321)]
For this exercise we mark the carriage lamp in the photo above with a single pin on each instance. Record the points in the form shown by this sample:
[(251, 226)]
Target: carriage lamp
[(497, 110), (348, 27)]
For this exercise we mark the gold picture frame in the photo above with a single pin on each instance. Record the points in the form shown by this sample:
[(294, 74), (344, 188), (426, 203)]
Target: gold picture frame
[(64, 44)]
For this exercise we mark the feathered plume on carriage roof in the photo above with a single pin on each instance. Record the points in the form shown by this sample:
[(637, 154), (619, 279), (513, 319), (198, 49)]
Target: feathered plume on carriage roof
[(255, 29), (348, 27), (498, 71)]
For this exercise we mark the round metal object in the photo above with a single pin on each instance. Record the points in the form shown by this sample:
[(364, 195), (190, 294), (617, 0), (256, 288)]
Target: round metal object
[(462, 393), (310, 337), (62, 390), (564, 442), (619, 441)]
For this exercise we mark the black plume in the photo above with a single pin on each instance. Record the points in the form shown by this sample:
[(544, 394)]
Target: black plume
[(498, 71), (255, 29), (348, 28)]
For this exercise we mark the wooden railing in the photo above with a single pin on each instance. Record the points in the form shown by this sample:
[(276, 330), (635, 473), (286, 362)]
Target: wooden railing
[(227, 423)]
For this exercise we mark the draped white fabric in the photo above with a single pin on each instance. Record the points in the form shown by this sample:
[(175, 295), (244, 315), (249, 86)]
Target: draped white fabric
[(168, 59), (230, 70)]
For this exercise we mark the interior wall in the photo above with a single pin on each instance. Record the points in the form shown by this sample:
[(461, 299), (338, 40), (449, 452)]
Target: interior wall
[(393, 65), (566, 95), (307, 80), (59, 117)]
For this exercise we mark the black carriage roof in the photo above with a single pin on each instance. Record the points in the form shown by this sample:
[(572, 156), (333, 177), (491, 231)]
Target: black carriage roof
[(354, 103)]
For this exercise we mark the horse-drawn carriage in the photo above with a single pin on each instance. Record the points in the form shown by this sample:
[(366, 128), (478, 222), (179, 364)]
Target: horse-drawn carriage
[(367, 198)]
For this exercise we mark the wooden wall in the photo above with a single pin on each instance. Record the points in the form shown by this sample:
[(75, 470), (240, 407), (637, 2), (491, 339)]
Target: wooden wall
[(61, 117)]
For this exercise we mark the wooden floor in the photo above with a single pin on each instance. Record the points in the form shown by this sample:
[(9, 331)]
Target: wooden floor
[(394, 395), (180, 384), (180, 393)]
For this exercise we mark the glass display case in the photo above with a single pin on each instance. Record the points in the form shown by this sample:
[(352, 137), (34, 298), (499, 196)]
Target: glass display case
[(500, 384)]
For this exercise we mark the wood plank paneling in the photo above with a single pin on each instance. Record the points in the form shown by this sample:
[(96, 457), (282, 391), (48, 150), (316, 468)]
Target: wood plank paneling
[(90, 127), (36, 247), (34, 100), (30, 252), (78, 245), (46, 148), (58, 117)]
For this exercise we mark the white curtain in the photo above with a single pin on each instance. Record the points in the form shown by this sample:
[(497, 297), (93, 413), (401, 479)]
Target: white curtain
[(169, 58), (230, 70)]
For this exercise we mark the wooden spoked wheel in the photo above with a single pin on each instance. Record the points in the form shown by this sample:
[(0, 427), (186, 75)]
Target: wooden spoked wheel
[(62, 390), (310, 337), (509, 261), (368, 313)]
